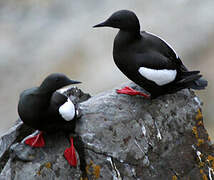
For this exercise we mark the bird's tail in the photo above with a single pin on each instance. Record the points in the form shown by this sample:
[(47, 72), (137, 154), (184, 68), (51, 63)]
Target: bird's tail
[(192, 79), (199, 84)]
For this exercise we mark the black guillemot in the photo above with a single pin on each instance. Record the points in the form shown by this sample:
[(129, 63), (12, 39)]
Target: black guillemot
[(45, 109), (148, 60)]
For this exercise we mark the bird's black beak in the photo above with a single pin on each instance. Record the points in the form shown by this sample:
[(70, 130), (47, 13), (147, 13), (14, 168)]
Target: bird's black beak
[(101, 24), (74, 82)]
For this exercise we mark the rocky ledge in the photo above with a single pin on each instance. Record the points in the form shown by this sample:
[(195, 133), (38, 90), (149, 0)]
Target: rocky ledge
[(125, 137)]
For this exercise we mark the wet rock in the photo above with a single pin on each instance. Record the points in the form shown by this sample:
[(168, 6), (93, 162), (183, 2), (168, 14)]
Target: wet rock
[(127, 137)]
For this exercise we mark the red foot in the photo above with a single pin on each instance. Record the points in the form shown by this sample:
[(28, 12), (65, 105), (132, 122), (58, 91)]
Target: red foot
[(132, 92), (36, 141), (70, 154)]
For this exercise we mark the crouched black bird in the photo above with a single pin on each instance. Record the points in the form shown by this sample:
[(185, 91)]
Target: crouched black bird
[(45, 109)]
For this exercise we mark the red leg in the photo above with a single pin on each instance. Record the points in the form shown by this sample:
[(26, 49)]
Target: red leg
[(132, 92), (36, 141), (70, 154)]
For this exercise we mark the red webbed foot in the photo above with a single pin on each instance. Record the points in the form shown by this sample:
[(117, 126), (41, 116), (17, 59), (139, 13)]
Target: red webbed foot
[(70, 154), (36, 141), (132, 92)]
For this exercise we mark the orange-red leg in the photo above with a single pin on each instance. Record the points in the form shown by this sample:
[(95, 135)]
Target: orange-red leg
[(36, 141), (70, 154), (132, 92)]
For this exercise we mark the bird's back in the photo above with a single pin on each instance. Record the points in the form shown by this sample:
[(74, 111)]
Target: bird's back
[(31, 107), (157, 44)]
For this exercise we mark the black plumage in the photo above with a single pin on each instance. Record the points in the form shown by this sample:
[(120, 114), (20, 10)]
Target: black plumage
[(39, 107), (145, 58)]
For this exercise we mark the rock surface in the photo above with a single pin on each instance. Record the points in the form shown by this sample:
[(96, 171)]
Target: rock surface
[(125, 137)]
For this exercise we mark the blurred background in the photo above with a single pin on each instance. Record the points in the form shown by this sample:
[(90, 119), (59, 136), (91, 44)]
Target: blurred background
[(38, 37)]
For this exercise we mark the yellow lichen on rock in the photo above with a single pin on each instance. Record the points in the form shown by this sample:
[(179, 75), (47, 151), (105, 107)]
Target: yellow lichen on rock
[(85, 178), (195, 132), (174, 177), (38, 173), (201, 164), (199, 115), (94, 169), (201, 171), (210, 158), (209, 139), (200, 141), (88, 167), (200, 123), (212, 164), (48, 165), (204, 177)]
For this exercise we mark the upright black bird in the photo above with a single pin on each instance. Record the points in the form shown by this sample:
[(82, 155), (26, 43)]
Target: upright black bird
[(147, 59), (45, 109)]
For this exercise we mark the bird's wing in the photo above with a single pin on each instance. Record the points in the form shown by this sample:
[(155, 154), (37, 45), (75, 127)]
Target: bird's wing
[(162, 70), (160, 45), (155, 67), (169, 55), (154, 60)]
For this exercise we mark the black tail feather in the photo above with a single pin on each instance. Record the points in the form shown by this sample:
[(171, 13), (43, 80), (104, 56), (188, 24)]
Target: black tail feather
[(199, 84), (191, 79), (185, 74), (185, 79)]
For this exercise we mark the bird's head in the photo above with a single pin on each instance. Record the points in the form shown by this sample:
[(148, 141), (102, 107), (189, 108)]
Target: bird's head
[(124, 19), (56, 81)]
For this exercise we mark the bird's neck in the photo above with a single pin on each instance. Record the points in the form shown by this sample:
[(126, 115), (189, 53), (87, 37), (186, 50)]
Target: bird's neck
[(123, 43), (46, 88), (125, 37), (44, 93), (135, 34)]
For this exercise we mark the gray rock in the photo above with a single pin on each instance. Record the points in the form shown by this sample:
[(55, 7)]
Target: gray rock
[(126, 137), (17, 132)]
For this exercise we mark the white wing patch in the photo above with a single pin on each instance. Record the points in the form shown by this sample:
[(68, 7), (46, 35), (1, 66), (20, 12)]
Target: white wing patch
[(160, 77), (67, 110)]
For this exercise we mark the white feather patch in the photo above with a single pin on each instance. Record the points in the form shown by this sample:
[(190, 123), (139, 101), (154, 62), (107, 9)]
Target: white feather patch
[(160, 77), (67, 110)]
